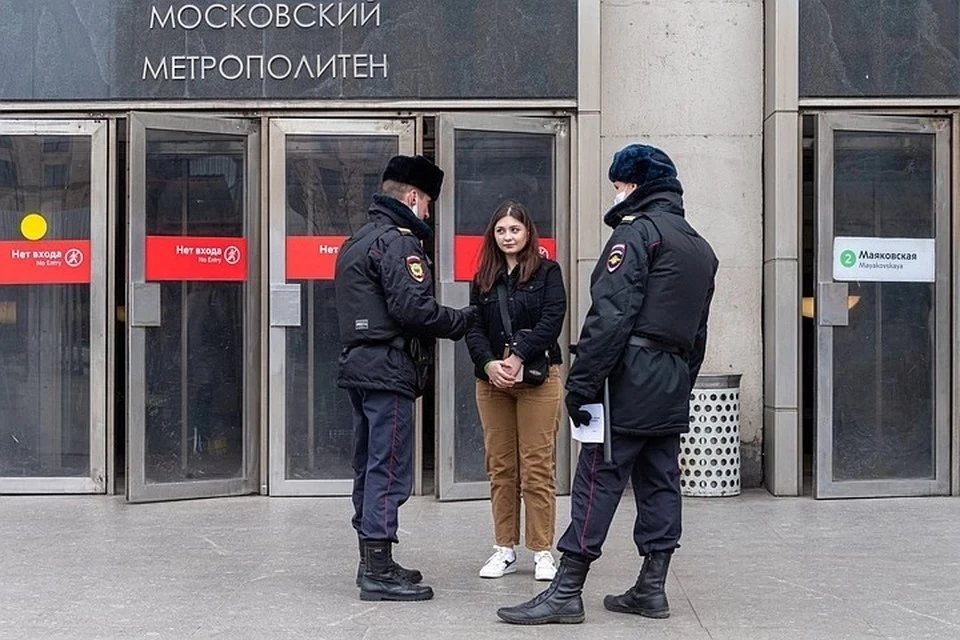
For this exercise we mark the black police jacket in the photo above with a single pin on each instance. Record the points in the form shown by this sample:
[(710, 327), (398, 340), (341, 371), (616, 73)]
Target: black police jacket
[(652, 286), (539, 304), (388, 315)]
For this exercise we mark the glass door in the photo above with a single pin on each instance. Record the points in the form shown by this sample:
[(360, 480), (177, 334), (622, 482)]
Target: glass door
[(882, 307), (53, 324), (194, 305), (323, 175), (486, 160)]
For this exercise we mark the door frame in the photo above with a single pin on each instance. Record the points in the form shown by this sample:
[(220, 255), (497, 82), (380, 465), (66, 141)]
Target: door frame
[(284, 296), (100, 214), (824, 485), (138, 489), (457, 294)]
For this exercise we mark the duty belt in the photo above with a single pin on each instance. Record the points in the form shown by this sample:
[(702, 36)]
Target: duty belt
[(650, 343)]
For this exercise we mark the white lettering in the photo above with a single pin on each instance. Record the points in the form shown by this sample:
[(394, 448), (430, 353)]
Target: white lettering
[(304, 64), (193, 66), (264, 15), (235, 60), (323, 9), (184, 251), (155, 18), (196, 10), (382, 66), (209, 20), (259, 60), (273, 74), (283, 16), (344, 17), (209, 251), (374, 12), (268, 14), (178, 68), (155, 72), (235, 18), (296, 15), (344, 58), (332, 62), (360, 65), (207, 63)]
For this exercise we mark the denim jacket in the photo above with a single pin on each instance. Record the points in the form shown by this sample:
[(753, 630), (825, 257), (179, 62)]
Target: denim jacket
[(539, 304)]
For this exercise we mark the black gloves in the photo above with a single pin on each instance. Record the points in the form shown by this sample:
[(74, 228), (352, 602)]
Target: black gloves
[(574, 401), (470, 315)]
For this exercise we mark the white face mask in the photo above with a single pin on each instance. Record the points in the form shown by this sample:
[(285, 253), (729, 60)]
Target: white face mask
[(620, 197), (413, 208)]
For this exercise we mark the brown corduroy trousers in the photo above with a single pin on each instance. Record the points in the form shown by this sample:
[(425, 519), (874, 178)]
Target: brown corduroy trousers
[(519, 433)]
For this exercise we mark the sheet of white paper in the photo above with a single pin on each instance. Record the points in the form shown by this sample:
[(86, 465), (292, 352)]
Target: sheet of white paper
[(592, 432)]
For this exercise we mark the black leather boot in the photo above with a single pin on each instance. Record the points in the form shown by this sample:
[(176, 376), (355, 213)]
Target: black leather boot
[(412, 576), (647, 597), (380, 582), (560, 603)]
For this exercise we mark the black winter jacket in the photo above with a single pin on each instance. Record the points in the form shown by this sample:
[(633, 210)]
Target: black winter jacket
[(655, 281), (539, 304), (386, 305)]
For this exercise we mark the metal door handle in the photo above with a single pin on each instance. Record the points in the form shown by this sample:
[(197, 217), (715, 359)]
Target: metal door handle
[(145, 304), (831, 304), (285, 305)]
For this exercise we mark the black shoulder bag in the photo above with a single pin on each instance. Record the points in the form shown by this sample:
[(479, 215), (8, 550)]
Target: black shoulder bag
[(536, 369)]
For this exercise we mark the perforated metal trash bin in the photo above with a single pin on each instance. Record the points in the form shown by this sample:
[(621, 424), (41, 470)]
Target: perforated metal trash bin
[(710, 452)]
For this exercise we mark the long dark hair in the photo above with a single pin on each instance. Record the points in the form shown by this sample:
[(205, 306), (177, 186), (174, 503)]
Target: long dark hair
[(492, 259)]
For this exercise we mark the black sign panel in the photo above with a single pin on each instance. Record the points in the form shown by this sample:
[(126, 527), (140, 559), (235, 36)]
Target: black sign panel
[(357, 49), (879, 48)]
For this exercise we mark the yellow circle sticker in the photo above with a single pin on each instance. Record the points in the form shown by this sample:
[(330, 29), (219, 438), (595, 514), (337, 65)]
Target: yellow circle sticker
[(33, 226)]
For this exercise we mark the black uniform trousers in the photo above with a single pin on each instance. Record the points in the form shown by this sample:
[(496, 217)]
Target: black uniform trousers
[(652, 465), (382, 461)]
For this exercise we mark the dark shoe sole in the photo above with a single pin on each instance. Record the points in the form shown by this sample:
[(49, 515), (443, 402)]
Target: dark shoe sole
[(370, 596), (548, 620), (657, 614)]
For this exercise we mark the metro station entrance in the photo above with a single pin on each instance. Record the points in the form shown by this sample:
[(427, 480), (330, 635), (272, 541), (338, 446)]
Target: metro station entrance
[(53, 306), (877, 280), (193, 325), (222, 355)]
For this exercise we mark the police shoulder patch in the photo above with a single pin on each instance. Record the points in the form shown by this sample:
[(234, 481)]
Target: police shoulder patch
[(616, 257), (415, 268)]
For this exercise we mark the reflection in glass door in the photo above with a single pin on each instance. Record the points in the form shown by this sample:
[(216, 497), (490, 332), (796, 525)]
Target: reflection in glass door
[(882, 307), (323, 176), (488, 159), (194, 303), (53, 221)]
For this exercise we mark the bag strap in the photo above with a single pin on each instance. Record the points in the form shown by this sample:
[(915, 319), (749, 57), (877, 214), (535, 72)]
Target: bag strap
[(504, 314)]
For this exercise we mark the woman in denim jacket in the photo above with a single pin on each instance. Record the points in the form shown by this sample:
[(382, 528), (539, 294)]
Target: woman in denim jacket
[(520, 421)]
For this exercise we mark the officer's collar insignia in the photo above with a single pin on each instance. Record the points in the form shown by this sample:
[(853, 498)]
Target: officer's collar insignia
[(415, 268), (615, 257)]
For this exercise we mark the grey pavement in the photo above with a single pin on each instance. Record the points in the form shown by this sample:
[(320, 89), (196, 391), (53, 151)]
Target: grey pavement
[(751, 567)]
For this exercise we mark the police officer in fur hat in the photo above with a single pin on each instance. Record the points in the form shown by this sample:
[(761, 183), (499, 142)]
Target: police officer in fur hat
[(645, 334), (389, 320)]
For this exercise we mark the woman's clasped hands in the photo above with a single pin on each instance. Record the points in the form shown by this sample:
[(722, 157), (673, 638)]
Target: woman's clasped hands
[(503, 374)]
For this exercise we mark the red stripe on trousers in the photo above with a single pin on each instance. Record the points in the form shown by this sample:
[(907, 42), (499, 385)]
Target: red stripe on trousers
[(593, 488), (393, 445)]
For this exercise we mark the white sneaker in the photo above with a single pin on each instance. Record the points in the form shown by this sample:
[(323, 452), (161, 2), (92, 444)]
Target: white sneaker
[(545, 567), (502, 562)]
